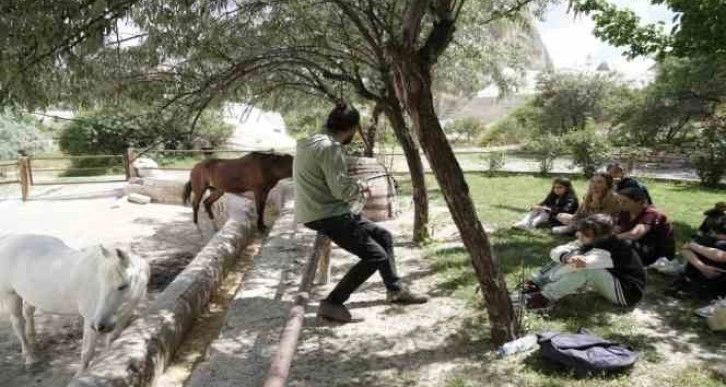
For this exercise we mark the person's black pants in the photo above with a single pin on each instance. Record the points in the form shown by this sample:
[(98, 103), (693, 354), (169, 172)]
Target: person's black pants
[(372, 243), (649, 252)]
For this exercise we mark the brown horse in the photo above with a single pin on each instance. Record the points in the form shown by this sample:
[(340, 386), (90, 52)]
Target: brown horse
[(257, 172)]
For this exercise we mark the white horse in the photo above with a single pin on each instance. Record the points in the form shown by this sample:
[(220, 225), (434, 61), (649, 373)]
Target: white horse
[(38, 271)]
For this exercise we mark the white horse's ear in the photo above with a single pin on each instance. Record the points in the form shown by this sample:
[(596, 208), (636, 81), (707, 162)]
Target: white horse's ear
[(123, 256), (105, 252)]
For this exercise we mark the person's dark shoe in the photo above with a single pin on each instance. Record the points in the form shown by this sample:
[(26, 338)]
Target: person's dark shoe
[(529, 287), (537, 301), (335, 312), (405, 297)]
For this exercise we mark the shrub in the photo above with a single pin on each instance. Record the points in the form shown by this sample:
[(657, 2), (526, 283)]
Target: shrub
[(514, 128), (546, 148), (469, 127), (495, 161), (18, 132), (709, 155), (588, 149), (112, 130)]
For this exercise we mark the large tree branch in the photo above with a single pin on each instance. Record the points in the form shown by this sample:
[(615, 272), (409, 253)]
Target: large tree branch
[(412, 19)]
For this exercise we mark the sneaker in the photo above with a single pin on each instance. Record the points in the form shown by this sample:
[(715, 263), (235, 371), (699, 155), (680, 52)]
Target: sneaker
[(537, 301), (335, 312), (562, 230), (710, 309), (406, 297), (521, 225), (667, 266)]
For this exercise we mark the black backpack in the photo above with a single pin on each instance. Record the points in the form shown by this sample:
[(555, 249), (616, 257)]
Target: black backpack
[(585, 353)]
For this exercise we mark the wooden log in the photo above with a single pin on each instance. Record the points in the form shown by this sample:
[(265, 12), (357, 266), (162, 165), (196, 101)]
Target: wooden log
[(282, 360), (24, 166), (324, 265), (129, 158)]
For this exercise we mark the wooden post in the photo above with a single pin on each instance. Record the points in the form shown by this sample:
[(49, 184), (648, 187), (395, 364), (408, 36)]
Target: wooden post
[(23, 168), (324, 266), (129, 159), (281, 361)]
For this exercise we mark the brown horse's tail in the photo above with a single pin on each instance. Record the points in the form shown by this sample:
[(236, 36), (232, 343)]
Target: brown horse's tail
[(187, 192)]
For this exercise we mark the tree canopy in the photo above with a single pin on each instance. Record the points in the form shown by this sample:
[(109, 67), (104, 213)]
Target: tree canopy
[(697, 28)]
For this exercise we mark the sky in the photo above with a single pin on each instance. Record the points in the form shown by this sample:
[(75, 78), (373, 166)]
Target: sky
[(570, 39)]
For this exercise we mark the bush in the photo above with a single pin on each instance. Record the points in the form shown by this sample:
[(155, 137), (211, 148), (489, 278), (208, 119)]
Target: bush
[(469, 127), (506, 131), (709, 155), (588, 149), (112, 130), (495, 161), (517, 126), (546, 148), (18, 132)]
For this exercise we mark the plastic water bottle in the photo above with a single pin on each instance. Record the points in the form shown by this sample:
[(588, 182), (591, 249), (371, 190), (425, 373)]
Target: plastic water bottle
[(519, 345)]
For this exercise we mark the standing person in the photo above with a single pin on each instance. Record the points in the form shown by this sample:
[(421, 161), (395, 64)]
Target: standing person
[(645, 227), (599, 199), (561, 199), (623, 181), (597, 259), (323, 193)]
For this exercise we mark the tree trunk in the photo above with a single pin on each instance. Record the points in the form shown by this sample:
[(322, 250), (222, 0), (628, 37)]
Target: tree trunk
[(415, 166), (370, 135), (413, 86)]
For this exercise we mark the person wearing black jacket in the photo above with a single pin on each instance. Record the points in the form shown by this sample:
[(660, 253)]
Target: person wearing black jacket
[(561, 199), (623, 181), (597, 259), (705, 274)]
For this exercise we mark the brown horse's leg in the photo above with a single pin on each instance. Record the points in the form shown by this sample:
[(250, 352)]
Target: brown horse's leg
[(261, 200), (213, 197), (199, 184), (196, 201)]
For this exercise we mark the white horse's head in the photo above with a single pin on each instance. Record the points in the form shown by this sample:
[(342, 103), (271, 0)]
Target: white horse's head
[(122, 280)]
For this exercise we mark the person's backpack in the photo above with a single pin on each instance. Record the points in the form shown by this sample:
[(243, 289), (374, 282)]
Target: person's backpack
[(585, 353)]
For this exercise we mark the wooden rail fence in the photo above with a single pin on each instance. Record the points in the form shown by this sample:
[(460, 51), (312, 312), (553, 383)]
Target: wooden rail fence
[(30, 170)]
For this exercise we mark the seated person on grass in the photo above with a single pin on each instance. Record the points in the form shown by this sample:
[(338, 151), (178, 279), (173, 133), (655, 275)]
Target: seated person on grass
[(599, 199), (623, 181), (705, 275), (597, 259), (712, 216), (644, 227), (561, 199)]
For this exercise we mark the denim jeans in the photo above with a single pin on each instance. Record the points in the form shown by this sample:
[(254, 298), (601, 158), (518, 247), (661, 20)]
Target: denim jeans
[(372, 243)]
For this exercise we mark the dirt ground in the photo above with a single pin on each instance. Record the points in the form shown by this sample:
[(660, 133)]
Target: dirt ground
[(441, 343), (82, 215)]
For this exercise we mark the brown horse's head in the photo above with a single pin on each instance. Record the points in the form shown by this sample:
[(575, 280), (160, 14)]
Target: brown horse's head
[(282, 166)]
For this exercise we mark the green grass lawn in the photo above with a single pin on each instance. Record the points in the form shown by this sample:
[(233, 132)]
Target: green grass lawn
[(500, 201)]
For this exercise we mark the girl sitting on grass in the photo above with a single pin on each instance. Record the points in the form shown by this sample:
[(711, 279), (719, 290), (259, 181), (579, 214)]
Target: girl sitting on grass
[(598, 260), (645, 227), (705, 275), (561, 200), (599, 199)]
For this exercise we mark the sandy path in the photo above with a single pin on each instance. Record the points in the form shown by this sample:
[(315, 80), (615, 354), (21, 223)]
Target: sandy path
[(82, 215)]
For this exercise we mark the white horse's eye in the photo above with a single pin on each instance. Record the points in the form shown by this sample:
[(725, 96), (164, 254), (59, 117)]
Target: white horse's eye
[(123, 287)]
